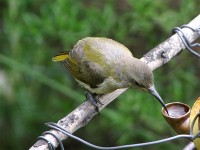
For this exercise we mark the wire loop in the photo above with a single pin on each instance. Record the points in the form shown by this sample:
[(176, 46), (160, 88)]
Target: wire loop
[(50, 144), (185, 41)]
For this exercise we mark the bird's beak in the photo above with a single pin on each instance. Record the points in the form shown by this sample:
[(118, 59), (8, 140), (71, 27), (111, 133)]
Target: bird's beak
[(153, 91)]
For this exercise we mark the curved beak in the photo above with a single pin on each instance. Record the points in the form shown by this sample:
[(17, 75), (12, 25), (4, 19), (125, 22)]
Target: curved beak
[(153, 91)]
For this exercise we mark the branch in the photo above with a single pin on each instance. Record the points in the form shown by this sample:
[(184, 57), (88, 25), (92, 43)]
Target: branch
[(86, 111)]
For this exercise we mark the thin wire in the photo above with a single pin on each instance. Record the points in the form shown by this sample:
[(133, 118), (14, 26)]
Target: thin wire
[(187, 45), (59, 141), (64, 131), (194, 30), (195, 44), (50, 144), (182, 36), (192, 127), (185, 40), (57, 127), (186, 26), (196, 136)]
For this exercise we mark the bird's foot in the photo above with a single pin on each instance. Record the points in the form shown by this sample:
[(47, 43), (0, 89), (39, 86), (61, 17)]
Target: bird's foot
[(94, 100)]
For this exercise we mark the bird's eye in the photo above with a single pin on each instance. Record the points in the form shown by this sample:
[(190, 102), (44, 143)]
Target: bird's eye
[(140, 85), (136, 83)]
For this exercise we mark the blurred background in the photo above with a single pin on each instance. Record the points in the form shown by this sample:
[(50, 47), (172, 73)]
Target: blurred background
[(34, 90)]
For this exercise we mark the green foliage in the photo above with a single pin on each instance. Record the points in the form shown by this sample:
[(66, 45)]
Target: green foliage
[(34, 90)]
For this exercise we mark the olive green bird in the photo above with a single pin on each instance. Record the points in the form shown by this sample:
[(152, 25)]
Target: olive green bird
[(102, 65)]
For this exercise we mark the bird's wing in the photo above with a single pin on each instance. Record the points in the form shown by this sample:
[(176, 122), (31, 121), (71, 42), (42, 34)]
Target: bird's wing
[(83, 71)]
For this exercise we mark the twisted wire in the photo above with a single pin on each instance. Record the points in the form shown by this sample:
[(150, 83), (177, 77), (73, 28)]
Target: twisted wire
[(185, 41)]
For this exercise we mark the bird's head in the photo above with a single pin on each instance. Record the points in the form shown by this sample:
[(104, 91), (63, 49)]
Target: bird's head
[(142, 76)]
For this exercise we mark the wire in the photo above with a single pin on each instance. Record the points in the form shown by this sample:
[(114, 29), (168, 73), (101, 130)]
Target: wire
[(59, 141), (185, 40), (59, 128), (64, 131), (50, 144), (192, 126)]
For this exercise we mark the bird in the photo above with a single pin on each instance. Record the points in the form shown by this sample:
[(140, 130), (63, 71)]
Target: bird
[(102, 65)]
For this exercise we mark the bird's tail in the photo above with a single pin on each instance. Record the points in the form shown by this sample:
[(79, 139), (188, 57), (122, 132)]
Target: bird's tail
[(61, 57)]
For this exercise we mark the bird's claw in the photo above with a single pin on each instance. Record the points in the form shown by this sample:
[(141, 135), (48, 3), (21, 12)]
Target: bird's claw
[(94, 100)]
